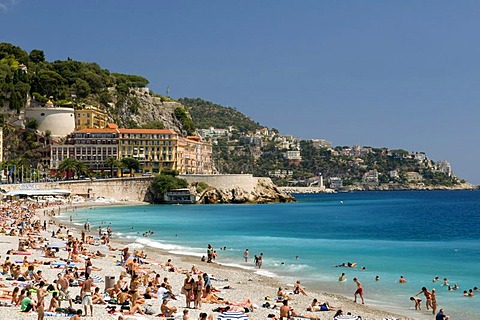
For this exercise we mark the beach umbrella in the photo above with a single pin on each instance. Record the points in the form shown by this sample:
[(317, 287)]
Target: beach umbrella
[(232, 315)]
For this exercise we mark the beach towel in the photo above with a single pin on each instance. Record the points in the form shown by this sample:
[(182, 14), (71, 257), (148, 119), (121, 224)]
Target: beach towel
[(55, 314), (96, 279)]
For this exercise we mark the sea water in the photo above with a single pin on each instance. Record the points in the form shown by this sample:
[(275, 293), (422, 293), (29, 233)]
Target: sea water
[(416, 234)]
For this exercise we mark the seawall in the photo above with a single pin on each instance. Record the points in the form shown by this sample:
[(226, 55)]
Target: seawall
[(136, 188)]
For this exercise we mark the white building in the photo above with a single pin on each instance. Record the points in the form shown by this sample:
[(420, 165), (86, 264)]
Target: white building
[(60, 121)]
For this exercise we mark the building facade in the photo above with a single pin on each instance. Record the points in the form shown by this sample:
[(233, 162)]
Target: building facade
[(90, 117), (153, 148)]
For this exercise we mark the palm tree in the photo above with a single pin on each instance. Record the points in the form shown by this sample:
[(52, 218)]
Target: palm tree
[(68, 165), (112, 162)]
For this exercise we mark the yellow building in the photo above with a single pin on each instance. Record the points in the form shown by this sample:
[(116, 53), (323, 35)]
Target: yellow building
[(155, 149), (90, 117)]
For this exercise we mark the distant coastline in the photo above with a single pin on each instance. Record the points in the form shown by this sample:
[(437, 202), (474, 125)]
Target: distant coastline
[(383, 187)]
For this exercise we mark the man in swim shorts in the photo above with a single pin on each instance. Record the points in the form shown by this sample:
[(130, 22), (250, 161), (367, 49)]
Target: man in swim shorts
[(359, 290), (86, 294)]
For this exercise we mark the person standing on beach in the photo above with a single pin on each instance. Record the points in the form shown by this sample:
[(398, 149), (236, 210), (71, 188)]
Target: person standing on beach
[(86, 294), (41, 294), (245, 255), (62, 286), (359, 290), (197, 293)]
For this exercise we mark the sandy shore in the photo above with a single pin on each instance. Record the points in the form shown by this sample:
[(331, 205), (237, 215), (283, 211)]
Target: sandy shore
[(242, 283)]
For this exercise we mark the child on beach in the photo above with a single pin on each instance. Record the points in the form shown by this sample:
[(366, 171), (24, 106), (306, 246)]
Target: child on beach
[(418, 302)]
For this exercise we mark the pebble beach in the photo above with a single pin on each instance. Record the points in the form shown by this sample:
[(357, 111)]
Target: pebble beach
[(233, 284)]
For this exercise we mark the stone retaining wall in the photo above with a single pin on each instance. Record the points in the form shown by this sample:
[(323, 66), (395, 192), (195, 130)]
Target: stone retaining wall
[(136, 188)]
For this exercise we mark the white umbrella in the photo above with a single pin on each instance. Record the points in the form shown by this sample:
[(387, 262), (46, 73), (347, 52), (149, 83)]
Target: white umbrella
[(232, 315)]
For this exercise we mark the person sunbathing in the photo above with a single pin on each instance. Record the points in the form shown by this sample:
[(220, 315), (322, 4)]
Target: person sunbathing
[(297, 288), (317, 306), (167, 311), (113, 291), (15, 292), (53, 302), (97, 297), (136, 308), (211, 297), (282, 295)]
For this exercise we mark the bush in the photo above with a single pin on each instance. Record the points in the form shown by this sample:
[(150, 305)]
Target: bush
[(201, 186), (163, 183)]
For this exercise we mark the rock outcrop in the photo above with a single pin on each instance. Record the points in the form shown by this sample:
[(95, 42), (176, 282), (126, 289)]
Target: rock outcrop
[(410, 186), (141, 107), (264, 192)]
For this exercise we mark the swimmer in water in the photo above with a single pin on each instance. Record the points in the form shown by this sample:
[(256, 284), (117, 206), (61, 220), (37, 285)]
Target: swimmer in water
[(342, 277)]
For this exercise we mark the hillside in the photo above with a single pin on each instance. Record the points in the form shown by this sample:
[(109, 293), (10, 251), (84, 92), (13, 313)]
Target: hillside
[(27, 79), (207, 114)]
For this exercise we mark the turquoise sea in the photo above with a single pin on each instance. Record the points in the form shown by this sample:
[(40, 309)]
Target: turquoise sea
[(416, 234)]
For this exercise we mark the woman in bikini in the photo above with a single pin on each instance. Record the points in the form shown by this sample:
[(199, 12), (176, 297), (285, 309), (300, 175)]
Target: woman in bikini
[(198, 292), (188, 288)]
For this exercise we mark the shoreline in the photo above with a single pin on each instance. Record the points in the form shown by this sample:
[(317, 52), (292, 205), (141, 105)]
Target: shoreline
[(269, 284)]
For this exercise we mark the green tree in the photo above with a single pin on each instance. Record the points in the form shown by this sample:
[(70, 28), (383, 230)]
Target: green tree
[(112, 162), (131, 164), (163, 183), (32, 124), (73, 167), (37, 56), (153, 125)]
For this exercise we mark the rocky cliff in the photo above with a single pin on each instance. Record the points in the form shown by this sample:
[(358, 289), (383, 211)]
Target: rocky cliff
[(141, 107), (264, 192), (411, 186)]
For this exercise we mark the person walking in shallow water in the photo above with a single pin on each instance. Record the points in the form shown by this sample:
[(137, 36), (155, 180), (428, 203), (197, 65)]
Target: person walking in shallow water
[(209, 253), (245, 255), (260, 260), (359, 290)]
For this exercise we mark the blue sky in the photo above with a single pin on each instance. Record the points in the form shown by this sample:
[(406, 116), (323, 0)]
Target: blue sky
[(395, 74)]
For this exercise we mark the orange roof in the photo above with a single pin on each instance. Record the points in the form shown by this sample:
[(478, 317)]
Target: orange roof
[(97, 130), (148, 131), (194, 138), (112, 126)]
